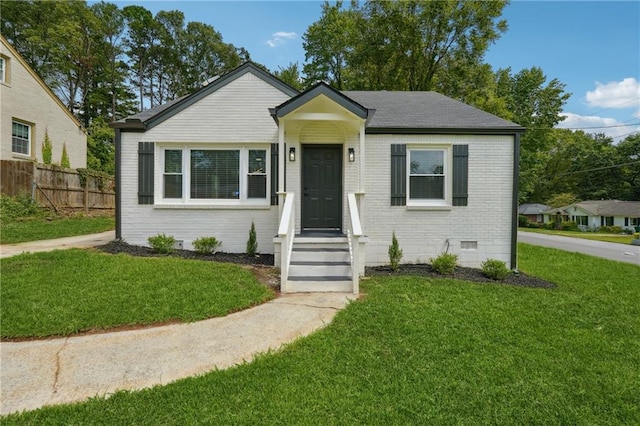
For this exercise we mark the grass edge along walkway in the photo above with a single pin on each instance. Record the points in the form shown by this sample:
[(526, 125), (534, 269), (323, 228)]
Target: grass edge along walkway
[(428, 351)]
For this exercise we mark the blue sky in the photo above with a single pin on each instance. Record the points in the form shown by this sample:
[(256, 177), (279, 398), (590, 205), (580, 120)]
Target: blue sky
[(593, 47)]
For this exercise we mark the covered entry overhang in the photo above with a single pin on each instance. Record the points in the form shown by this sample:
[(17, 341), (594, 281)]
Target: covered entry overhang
[(321, 184)]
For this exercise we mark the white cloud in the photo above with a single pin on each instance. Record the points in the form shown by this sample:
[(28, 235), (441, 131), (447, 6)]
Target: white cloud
[(281, 37), (615, 94), (595, 124)]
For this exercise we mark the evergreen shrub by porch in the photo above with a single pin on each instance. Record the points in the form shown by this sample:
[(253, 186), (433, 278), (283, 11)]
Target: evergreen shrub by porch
[(252, 242), (162, 243), (445, 263), (495, 269), (395, 253), (569, 226), (523, 221), (206, 245)]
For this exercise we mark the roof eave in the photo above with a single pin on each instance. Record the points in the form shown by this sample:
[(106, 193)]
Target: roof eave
[(446, 130), (129, 124)]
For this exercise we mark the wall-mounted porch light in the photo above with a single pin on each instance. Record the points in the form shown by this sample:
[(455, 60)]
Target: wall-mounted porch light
[(292, 154), (352, 155)]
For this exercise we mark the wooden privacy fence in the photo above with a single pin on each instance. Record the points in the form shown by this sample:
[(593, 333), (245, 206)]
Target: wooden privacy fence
[(58, 188)]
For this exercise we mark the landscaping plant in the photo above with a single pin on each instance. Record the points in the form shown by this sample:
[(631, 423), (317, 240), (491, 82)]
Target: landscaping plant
[(495, 269), (445, 263), (252, 242), (395, 253), (47, 149), (206, 245), (64, 161), (162, 243)]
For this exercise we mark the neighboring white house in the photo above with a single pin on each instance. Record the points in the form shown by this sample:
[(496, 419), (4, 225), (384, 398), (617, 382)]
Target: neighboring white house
[(346, 169), (594, 214), (29, 109), (534, 212)]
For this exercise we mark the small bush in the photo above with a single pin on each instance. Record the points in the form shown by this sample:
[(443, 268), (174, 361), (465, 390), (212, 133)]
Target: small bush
[(206, 245), (64, 161), (523, 221), (534, 225), (636, 235), (610, 229), (162, 243), (47, 149), (549, 225), (19, 206), (395, 253), (569, 226), (252, 242), (495, 269), (445, 263)]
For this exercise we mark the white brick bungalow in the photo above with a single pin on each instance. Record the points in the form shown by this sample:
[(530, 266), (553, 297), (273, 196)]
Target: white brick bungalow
[(340, 171), (595, 214)]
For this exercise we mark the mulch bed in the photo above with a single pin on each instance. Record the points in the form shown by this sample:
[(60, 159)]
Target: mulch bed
[(424, 270)]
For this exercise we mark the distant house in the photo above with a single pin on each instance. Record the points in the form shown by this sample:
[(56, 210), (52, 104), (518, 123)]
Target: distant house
[(29, 109), (326, 176), (533, 212), (594, 214)]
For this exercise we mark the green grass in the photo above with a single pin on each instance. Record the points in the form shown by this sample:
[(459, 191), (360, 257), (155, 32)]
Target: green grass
[(66, 291), (39, 228), (610, 238), (428, 351)]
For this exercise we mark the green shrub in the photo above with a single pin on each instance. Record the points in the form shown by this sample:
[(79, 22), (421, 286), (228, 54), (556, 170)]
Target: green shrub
[(549, 225), (534, 225), (395, 253), (610, 229), (19, 206), (523, 221), (64, 161), (162, 243), (206, 245), (495, 269), (445, 263), (252, 242), (47, 149), (636, 235), (569, 226)]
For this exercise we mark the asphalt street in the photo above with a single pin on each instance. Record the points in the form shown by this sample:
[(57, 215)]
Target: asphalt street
[(611, 251)]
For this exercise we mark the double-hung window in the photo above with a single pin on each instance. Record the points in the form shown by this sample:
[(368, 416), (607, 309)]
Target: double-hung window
[(3, 70), (215, 175), (20, 138), (427, 169)]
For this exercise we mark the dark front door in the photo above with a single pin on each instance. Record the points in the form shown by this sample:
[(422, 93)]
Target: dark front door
[(322, 187)]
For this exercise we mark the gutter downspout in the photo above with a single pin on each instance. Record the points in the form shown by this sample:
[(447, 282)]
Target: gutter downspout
[(514, 207), (118, 146)]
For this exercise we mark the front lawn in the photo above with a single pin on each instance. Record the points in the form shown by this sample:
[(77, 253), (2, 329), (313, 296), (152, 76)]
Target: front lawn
[(67, 291), (421, 350), (610, 238), (42, 228)]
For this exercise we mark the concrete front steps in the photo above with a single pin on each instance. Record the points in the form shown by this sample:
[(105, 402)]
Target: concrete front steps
[(320, 264)]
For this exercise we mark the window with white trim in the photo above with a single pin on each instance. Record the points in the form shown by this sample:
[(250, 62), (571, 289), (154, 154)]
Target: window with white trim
[(220, 175), (3, 70), (427, 169), (20, 138), (581, 220)]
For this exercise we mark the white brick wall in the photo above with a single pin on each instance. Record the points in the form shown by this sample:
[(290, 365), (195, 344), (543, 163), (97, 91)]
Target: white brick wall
[(237, 112), (424, 234)]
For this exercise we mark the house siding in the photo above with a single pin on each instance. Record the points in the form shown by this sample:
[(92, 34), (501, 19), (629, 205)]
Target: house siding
[(235, 113), (25, 99), (422, 234)]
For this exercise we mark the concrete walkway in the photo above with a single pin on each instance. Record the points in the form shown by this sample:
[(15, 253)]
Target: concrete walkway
[(92, 240), (38, 373), (56, 371)]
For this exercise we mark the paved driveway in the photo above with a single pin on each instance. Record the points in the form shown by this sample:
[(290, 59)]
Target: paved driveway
[(611, 251)]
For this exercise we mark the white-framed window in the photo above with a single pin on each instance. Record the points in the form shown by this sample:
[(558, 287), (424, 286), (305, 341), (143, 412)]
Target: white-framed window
[(3, 70), (214, 175), (581, 220), (429, 177), (20, 138)]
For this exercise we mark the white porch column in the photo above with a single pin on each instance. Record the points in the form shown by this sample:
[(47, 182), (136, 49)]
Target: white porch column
[(362, 176), (281, 165)]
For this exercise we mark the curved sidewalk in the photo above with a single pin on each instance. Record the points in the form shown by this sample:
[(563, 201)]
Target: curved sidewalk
[(46, 372)]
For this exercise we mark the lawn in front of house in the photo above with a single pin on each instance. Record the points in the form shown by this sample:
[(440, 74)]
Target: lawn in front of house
[(45, 228), (419, 350), (610, 238), (69, 291)]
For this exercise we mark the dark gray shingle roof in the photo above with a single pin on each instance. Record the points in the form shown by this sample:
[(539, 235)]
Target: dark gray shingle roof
[(426, 110)]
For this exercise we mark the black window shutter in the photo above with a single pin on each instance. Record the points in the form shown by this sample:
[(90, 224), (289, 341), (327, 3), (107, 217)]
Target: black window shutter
[(460, 174), (145, 172), (398, 174), (626, 221), (274, 174)]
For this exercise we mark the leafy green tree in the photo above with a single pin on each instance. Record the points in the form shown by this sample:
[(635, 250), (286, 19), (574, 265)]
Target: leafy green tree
[(628, 156), (100, 148), (562, 200), (290, 75)]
